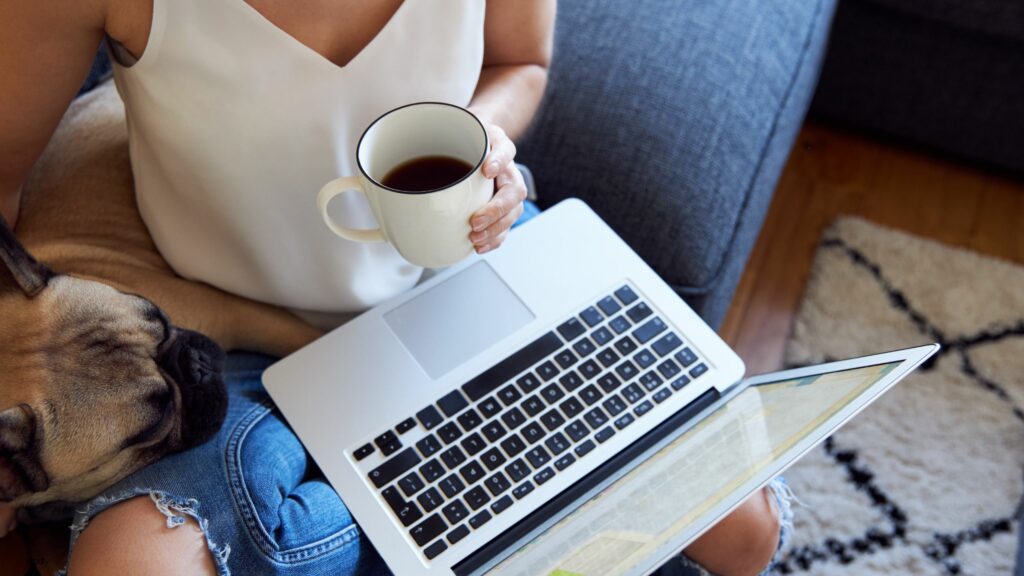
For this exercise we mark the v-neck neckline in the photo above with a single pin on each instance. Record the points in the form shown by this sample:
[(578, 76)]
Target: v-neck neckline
[(301, 46)]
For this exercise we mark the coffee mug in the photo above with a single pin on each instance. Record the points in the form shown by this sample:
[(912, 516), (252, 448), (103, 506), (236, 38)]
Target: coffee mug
[(430, 227)]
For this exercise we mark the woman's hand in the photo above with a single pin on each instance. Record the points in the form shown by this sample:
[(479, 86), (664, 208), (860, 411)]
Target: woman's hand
[(491, 223)]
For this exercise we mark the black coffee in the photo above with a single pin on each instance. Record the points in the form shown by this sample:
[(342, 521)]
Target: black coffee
[(426, 173)]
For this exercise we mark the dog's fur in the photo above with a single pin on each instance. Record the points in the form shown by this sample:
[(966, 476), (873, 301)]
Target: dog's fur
[(102, 368)]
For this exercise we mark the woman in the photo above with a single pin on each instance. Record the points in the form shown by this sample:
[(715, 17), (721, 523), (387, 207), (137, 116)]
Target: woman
[(238, 111)]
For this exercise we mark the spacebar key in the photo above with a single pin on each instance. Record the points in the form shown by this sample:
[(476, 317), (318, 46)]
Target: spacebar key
[(394, 468), (503, 371)]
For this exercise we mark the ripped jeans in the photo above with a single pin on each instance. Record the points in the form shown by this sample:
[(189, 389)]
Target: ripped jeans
[(258, 497)]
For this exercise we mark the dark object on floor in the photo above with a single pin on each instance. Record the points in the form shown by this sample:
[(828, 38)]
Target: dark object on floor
[(945, 74)]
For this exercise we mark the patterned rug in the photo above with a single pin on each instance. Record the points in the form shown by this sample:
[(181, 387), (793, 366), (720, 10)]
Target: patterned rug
[(929, 479)]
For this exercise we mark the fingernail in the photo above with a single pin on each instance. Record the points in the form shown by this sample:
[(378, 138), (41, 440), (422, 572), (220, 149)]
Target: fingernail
[(477, 237), (480, 224), (484, 250), (492, 169)]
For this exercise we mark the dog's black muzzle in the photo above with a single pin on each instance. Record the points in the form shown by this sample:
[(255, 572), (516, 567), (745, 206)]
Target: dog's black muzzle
[(195, 363)]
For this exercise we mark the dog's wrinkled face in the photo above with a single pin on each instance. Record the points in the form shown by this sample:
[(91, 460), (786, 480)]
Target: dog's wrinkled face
[(94, 383)]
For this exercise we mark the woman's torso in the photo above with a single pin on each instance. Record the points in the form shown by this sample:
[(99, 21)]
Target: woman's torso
[(239, 112)]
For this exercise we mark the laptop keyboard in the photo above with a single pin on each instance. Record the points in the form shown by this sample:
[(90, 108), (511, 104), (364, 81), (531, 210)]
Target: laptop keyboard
[(488, 444)]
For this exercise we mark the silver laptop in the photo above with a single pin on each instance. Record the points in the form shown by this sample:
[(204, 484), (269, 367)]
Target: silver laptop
[(467, 412)]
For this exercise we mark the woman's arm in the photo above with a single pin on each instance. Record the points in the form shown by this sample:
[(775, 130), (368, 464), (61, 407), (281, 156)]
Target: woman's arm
[(518, 35), (47, 50)]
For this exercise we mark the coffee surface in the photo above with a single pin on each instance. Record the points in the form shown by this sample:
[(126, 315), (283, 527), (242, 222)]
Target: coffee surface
[(426, 173)]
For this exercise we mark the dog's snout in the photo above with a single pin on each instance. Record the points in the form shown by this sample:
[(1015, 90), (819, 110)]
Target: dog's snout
[(195, 364)]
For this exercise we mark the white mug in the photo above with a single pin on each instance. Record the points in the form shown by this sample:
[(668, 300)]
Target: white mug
[(429, 229)]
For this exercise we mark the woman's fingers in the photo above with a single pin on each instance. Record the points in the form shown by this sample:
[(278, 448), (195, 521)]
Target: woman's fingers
[(510, 193), (497, 230), (502, 153)]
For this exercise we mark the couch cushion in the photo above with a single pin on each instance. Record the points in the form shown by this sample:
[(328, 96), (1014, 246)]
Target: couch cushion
[(996, 18)]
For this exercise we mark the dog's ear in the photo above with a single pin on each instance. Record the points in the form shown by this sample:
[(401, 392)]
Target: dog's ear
[(18, 269), (20, 472)]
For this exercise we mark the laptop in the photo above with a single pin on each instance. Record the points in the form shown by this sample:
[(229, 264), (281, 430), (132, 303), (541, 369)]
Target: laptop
[(467, 413)]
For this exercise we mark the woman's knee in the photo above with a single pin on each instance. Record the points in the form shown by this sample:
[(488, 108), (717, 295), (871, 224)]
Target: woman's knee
[(744, 542), (133, 537)]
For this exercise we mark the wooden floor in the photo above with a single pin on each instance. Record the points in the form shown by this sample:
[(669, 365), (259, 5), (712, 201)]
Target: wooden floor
[(831, 173)]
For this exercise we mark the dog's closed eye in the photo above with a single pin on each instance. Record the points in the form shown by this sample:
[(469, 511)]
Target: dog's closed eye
[(162, 403)]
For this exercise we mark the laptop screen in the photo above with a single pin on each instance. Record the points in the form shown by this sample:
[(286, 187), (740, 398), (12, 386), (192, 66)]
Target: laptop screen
[(683, 487)]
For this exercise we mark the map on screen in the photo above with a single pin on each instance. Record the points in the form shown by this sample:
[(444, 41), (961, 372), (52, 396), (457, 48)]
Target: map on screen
[(619, 530)]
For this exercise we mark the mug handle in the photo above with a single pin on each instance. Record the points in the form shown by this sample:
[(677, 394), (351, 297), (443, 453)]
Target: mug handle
[(332, 189)]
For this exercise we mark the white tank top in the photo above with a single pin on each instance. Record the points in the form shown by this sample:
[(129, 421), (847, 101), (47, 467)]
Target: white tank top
[(234, 125)]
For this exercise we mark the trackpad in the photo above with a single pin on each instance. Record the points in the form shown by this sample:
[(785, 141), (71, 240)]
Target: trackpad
[(458, 319)]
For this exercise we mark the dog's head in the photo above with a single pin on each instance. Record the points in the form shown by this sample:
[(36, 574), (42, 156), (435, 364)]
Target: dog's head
[(94, 383)]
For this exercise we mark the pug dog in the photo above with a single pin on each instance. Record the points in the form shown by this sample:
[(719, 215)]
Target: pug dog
[(108, 359)]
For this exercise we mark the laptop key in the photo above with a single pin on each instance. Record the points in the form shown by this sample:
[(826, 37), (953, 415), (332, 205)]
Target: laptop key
[(552, 393), (509, 395), (489, 407), (662, 395), (408, 514), (649, 330), (544, 475), (596, 418), (651, 380), (698, 370), (602, 336), (627, 370), (430, 499), (666, 344), (449, 432), (457, 534), (639, 312), (432, 470), (584, 347), (564, 462), (625, 345), (395, 467), (411, 484), (605, 433), (607, 357), (513, 418), (552, 419), (473, 444), (591, 316), (609, 382), (570, 381), (428, 446), (452, 402), (565, 358), (547, 370), (632, 393), (480, 519), (501, 504), (532, 432), (619, 324), (643, 408), (435, 549), (680, 382), (583, 449), (571, 329), (429, 529), (538, 457), (497, 483), (388, 443), (455, 512), (476, 498), (532, 405), (493, 459), (626, 295), (493, 431), (405, 425), (614, 405), (571, 407), (429, 417), (513, 445), (528, 383), (452, 457), (363, 451), (451, 486), (644, 358), (609, 306), (668, 369), (591, 395), (471, 472), (394, 499), (623, 421), (522, 490), (589, 369), (557, 443), (686, 357), (576, 430), (517, 470), (469, 420)]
